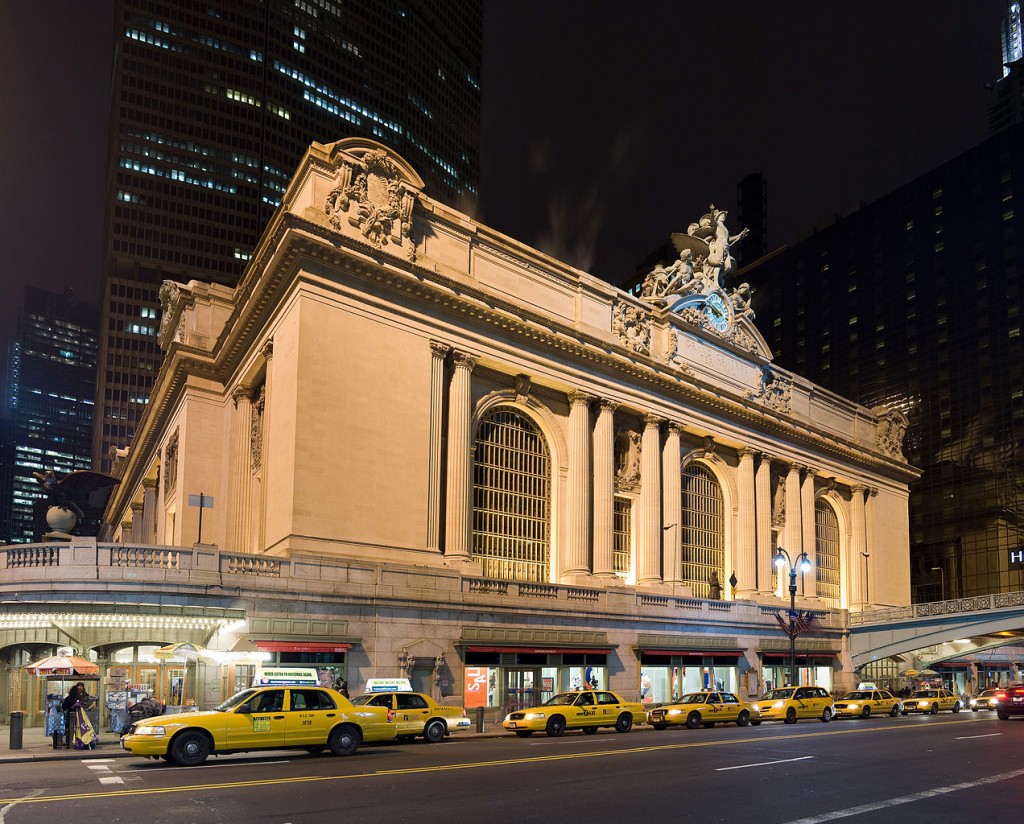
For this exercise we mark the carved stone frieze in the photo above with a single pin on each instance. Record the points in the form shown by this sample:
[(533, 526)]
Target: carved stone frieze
[(633, 327), (774, 391), (891, 430), (779, 503), (256, 428), (627, 459), (372, 195), (171, 461)]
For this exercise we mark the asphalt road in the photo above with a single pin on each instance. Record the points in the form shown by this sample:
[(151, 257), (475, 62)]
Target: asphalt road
[(946, 768)]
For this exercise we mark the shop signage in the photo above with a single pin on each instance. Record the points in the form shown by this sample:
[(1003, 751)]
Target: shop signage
[(1017, 556)]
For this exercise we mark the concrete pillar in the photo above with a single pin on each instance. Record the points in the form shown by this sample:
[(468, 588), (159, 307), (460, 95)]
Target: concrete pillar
[(438, 351), (649, 561), (577, 561), (763, 507), (672, 505), (604, 490), (460, 458), (746, 533), (136, 532)]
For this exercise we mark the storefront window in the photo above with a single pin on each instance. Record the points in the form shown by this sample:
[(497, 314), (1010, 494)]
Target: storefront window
[(515, 681), (664, 678)]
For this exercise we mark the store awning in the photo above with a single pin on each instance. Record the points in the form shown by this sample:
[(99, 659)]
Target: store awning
[(544, 650), (725, 653), (784, 656), (301, 646)]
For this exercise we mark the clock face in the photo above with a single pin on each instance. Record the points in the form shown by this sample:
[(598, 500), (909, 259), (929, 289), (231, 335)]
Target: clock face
[(717, 311)]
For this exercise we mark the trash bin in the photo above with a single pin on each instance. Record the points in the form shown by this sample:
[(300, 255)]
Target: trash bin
[(479, 719), (17, 722)]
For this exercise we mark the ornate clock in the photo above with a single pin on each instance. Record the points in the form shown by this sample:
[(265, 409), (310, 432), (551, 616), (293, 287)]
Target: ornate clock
[(718, 310)]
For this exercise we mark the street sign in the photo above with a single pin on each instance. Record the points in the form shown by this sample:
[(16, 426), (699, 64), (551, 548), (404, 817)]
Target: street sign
[(203, 502)]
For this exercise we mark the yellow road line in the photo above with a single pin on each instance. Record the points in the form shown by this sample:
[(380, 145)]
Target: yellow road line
[(532, 759)]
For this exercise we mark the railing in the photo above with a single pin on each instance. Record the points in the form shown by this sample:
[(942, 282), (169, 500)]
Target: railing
[(955, 606), (145, 557)]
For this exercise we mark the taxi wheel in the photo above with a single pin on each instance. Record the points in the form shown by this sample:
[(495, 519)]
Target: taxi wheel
[(624, 723), (743, 719), (894, 711), (524, 733), (708, 725), (660, 726), (190, 749), (693, 720), (590, 730), (791, 716), (556, 726), (1002, 716), (935, 709), (826, 715), (956, 707), (435, 732), (974, 709), (344, 740), (755, 723), (315, 750), (866, 712)]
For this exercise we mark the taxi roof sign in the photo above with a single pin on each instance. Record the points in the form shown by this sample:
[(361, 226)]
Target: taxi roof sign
[(286, 676), (388, 685)]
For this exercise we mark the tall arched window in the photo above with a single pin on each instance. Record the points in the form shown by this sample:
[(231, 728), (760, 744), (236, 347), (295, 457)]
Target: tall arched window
[(826, 566), (511, 498), (703, 529)]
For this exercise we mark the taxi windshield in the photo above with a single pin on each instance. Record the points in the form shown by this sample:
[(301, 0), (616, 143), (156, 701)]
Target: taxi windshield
[(235, 700), (925, 694), (694, 698), (859, 695), (780, 695), (364, 699), (561, 698)]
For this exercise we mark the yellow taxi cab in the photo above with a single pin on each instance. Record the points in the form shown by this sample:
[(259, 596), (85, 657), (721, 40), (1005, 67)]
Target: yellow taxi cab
[(985, 700), (417, 714), (705, 708), (931, 700), (262, 718), (579, 710), (789, 704), (865, 703)]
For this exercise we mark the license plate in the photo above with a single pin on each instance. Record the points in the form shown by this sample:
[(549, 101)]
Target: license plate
[(511, 725)]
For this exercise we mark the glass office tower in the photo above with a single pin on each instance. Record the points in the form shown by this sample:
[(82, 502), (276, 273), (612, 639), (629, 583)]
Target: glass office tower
[(214, 104)]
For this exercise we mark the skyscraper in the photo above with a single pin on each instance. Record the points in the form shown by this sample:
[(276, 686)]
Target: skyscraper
[(51, 387), (914, 301), (213, 106)]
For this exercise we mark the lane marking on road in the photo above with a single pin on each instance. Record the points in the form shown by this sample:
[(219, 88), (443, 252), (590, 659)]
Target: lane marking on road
[(221, 764), (13, 801), (907, 799), (532, 758), (763, 763), (111, 779), (968, 737)]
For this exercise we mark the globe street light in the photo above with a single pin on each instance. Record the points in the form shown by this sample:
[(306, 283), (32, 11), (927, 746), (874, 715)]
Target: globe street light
[(804, 563)]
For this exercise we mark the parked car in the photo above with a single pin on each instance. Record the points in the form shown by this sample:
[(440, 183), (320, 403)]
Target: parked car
[(1010, 701), (705, 708), (262, 718), (417, 714), (931, 700), (985, 700), (789, 704), (580, 710), (865, 703)]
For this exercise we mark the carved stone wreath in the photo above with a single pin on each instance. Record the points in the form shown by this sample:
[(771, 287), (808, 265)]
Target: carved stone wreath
[(383, 204), (891, 430), (633, 327)]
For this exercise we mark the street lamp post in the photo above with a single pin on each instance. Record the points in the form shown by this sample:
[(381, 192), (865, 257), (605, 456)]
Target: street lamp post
[(942, 574), (804, 563)]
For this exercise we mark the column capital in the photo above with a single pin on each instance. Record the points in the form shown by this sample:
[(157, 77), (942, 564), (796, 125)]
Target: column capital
[(577, 397), (608, 404), (241, 393), (439, 349), (149, 483), (676, 428), (465, 360), (796, 468), (767, 458), (652, 421), (860, 489), (136, 506), (746, 452)]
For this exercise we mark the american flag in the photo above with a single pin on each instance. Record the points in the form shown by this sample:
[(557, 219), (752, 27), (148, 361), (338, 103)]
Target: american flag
[(798, 626)]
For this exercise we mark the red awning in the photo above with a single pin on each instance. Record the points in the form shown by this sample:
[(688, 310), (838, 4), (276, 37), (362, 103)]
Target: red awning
[(543, 650), (730, 653), (301, 646), (784, 656)]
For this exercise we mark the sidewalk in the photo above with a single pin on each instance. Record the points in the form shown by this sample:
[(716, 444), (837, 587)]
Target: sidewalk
[(35, 746)]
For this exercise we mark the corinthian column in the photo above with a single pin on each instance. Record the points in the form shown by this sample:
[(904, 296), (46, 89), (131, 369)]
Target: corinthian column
[(240, 481), (672, 505), (859, 591), (809, 532), (460, 457), (763, 507), (649, 562), (746, 537), (794, 536), (148, 511), (437, 354), (577, 560), (604, 490)]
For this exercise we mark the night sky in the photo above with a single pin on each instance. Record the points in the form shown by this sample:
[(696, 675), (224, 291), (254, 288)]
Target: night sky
[(606, 125)]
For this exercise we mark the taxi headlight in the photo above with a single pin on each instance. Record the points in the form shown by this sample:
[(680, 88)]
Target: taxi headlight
[(534, 716), (675, 712), (151, 731), (778, 705), (922, 703)]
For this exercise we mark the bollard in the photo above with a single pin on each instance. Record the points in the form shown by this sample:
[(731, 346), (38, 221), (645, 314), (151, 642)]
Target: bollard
[(17, 720), (479, 719)]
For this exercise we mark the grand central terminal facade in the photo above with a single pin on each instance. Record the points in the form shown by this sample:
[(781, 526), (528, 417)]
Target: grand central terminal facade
[(409, 446)]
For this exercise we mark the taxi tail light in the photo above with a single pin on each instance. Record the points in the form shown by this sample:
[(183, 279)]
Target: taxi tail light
[(999, 696)]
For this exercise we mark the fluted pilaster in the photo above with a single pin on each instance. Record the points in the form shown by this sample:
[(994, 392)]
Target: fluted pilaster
[(649, 561), (577, 561), (460, 457), (149, 509), (240, 482), (746, 537), (763, 507), (860, 587), (604, 490), (438, 351), (793, 543), (672, 505), (809, 536)]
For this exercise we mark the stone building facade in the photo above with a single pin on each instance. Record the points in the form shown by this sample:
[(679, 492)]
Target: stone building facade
[(435, 452)]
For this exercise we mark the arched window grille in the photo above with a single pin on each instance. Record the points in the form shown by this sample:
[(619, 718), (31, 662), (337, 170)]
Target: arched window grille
[(511, 498), (826, 562), (703, 529)]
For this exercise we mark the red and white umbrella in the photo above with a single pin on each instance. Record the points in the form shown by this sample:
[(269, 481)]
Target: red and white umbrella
[(63, 665)]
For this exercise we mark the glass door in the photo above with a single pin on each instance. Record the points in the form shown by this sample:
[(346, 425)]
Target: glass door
[(520, 688)]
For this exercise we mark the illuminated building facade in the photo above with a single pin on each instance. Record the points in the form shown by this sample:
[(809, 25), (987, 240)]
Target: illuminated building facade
[(51, 389), (431, 451), (213, 106), (914, 301)]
